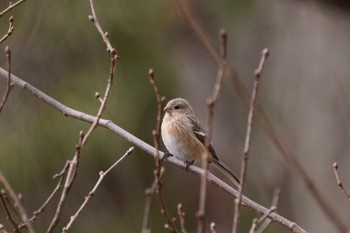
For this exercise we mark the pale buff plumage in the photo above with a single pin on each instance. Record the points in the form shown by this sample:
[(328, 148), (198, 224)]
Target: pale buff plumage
[(185, 138)]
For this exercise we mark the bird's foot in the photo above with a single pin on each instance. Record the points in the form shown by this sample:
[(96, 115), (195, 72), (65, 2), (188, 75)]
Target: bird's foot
[(166, 155), (187, 164)]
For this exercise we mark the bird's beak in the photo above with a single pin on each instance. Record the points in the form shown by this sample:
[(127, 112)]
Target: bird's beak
[(166, 109)]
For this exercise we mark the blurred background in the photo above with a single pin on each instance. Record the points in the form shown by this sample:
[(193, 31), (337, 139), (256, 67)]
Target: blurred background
[(304, 93)]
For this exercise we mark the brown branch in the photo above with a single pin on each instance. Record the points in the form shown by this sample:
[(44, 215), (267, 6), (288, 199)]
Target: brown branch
[(247, 142), (17, 203), (148, 193), (9, 30), (108, 124), (8, 214), (339, 183), (93, 191), (156, 140), (10, 7), (288, 156), (8, 86), (211, 101)]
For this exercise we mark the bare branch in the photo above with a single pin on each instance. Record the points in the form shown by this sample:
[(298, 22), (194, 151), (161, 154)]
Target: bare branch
[(71, 166), (244, 166), (148, 193), (108, 124), (9, 30), (8, 214), (93, 191), (156, 140), (339, 183), (17, 203), (288, 156), (8, 86), (10, 7)]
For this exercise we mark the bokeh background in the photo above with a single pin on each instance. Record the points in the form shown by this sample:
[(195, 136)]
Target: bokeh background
[(304, 93)]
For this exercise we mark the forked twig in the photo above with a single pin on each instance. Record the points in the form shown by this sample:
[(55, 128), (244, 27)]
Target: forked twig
[(16, 203), (148, 193), (8, 214), (247, 142), (264, 221), (339, 183), (181, 216), (93, 191)]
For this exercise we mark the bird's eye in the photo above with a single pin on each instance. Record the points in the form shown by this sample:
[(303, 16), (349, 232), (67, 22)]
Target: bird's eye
[(176, 107)]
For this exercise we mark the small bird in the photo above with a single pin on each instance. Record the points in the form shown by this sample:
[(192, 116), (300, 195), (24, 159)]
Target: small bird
[(185, 138)]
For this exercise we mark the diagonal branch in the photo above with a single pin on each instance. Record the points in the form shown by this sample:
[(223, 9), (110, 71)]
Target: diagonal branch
[(108, 124)]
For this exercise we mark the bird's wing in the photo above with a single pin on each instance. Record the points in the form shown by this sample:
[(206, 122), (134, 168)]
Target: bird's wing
[(201, 135)]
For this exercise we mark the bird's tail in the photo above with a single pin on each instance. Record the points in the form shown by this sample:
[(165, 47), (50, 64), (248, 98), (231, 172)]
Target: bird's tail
[(226, 171)]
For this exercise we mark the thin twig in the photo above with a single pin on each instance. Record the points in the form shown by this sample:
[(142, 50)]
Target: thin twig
[(108, 124), (247, 142), (211, 101), (105, 36), (9, 30), (8, 86), (339, 183), (264, 218), (72, 166), (148, 193), (10, 7), (8, 214), (93, 191), (181, 215), (17, 202), (156, 140), (240, 89), (47, 201)]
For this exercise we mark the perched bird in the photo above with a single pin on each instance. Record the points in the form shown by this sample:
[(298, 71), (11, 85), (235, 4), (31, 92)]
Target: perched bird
[(185, 138)]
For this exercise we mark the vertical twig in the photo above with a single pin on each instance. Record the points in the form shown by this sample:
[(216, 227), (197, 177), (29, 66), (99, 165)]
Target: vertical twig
[(238, 200), (211, 101), (339, 183), (8, 86), (93, 191), (156, 140), (148, 194)]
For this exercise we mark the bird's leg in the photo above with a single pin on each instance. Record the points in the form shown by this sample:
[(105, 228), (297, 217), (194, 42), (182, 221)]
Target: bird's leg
[(166, 155), (187, 164)]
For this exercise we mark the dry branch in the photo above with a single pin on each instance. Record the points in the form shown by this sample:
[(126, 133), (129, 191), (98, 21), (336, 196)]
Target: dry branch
[(108, 124)]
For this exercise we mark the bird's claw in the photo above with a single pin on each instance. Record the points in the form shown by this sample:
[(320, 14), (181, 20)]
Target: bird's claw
[(187, 164), (166, 155)]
